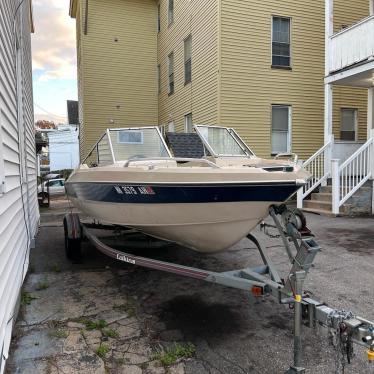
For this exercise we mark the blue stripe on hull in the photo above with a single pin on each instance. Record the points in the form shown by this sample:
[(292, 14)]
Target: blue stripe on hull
[(172, 194)]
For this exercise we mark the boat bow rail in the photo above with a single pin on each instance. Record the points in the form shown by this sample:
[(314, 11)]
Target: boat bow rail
[(345, 327)]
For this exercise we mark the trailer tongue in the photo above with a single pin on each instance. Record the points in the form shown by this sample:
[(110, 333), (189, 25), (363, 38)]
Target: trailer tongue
[(346, 329)]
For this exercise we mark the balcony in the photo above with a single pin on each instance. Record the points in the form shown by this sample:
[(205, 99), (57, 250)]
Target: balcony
[(352, 46)]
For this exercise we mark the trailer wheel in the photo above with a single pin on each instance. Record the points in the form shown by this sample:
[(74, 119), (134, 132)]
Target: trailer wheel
[(72, 239)]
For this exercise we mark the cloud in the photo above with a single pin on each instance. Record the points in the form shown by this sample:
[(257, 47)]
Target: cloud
[(54, 48)]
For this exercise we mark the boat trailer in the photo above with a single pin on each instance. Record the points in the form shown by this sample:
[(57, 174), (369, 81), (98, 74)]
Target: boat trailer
[(346, 328)]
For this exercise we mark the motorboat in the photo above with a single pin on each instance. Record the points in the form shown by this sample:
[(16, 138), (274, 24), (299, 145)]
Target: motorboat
[(131, 178)]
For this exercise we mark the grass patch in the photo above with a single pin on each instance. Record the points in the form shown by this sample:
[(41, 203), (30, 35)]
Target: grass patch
[(27, 298), (55, 268), (42, 285), (59, 333), (102, 350), (110, 333), (95, 325), (170, 355)]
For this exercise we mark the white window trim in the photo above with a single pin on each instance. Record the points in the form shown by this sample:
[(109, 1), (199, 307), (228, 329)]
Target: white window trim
[(119, 141), (271, 43), (185, 121), (356, 126), (289, 135), (189, 37)]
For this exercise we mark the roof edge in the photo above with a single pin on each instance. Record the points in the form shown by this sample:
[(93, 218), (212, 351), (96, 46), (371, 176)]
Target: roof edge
[(73, 8)]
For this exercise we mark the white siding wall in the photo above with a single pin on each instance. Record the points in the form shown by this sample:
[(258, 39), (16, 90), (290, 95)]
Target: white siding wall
[(19, 213)]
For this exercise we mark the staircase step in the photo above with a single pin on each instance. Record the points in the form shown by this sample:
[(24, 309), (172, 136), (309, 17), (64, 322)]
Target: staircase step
[(321, 212), (328, 189), (315, 204), (321, 196)]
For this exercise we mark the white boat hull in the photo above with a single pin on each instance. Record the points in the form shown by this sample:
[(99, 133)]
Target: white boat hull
[(219, 225)]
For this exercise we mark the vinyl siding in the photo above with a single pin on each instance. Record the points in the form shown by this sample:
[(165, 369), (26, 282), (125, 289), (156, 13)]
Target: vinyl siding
[(347, 13), (18, 204), (117, 66), (199, 19), (348, 97), (249, 85)]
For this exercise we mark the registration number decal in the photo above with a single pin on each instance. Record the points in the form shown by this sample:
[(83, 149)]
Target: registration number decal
[(134, 190)]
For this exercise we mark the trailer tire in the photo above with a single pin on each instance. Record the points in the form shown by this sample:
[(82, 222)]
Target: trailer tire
[(73, 250)]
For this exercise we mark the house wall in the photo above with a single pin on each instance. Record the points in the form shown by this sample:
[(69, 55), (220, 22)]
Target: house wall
[(18, 199), (250, 86), (118, 76), (347, 13), (198, 18), (233, 83), (63, 148)]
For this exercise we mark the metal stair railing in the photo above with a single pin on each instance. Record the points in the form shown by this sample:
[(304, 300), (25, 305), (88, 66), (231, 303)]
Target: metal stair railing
[(352, 174), (319, 167)]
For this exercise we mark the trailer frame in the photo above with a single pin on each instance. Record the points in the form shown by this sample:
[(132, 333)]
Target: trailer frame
[(261, 280)]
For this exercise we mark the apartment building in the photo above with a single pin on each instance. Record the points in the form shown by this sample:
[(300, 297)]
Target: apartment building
[(256, 66)]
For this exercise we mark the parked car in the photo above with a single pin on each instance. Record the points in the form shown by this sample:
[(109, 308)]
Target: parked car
[(53, 187)]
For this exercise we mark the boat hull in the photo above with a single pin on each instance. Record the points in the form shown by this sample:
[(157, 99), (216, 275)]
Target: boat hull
[(207, 217)]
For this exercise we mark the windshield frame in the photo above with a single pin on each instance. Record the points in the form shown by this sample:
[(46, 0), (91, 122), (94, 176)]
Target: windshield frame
[(234, 135)]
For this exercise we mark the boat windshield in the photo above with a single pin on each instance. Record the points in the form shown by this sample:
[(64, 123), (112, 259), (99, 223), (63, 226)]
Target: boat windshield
[(222, 141), (137, 143), (128, 143)]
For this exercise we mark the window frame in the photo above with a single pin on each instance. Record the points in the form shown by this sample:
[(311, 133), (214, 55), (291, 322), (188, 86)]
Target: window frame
[(355, 125), (186, 116), (170, 12), (189, 60), (159, 78), (128, 132), (159, 17), (289, 132), (289, 67), (171, 81)]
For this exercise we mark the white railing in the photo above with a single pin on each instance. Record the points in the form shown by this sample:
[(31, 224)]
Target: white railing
[(352, 45), (318, 166), (351, 174)]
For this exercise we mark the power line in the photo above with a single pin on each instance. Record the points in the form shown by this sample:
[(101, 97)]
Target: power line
[(49, 113)]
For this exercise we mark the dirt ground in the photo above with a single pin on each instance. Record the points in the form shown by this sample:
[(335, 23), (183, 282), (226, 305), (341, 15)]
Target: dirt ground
[(103, 316)]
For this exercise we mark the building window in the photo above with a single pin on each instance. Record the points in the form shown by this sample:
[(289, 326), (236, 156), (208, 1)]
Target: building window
[(159, 18), (188, 126), (171, 73), (187, 59), (280, 129), (281, 48), (348, 124), (159, 78), (130, 137), (171, 12), (171, 127)]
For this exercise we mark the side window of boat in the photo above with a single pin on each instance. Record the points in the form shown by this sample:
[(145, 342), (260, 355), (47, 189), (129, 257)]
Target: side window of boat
[(130, 137)]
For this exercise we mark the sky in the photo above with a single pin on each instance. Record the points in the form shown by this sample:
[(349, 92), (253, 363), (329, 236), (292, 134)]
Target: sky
[(54, 59)]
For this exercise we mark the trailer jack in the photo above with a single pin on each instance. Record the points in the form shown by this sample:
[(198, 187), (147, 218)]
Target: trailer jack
[(301, 247)]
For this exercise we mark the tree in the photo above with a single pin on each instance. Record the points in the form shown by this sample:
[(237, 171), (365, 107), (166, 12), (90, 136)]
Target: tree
[(44, 124)]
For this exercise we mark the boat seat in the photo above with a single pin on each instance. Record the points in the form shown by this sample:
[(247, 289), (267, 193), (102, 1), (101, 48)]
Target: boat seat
[(185, 145)]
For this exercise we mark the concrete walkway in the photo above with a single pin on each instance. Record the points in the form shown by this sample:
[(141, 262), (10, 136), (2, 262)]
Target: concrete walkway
[(103, 316)]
